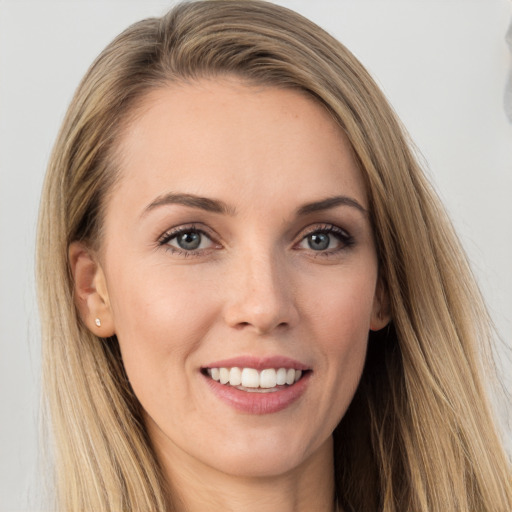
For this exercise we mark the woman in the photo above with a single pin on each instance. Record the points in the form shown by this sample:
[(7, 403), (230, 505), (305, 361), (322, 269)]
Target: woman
[(250, 295)]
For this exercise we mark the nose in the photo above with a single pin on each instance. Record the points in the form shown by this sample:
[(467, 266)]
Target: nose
[(260, 294)]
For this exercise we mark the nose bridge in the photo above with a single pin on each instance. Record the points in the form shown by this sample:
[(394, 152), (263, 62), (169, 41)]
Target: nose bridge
[(261, 294)]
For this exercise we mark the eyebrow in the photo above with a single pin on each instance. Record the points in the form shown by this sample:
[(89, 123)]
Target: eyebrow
[(203, 203), (218, 206), (328, 203)]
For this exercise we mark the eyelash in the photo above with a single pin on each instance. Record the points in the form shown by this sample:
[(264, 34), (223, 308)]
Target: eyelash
[(346, 240), (164, 240)]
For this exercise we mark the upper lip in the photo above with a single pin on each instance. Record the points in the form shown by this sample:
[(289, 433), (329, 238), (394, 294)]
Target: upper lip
[(258, 363)]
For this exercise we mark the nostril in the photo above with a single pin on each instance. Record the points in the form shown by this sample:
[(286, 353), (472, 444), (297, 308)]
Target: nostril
[(245, 325)]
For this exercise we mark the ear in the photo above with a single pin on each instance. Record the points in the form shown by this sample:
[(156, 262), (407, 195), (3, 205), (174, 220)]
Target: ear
[(90, 290), (381, 315)]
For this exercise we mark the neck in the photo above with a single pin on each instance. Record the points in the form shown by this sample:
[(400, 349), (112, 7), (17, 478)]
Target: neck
[(195, 487)]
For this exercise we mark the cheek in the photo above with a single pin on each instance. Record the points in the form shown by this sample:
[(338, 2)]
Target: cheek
[(341, 319), (159, 321), (344, 335), (342, 308)]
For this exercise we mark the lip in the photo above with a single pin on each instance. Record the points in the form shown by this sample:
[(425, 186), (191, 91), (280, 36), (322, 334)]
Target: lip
[(259, 363), (255, 402)]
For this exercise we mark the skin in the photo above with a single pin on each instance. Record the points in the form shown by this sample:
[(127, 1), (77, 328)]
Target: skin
[(254, 287)]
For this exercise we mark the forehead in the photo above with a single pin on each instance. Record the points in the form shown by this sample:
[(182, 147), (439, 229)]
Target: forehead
[(224, 138)]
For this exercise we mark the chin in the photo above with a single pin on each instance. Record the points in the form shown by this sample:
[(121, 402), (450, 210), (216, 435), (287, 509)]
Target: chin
[(268, 457)]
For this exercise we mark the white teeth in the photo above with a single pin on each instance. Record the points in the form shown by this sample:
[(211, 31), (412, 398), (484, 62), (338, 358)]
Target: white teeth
[(281, 377), (224, 375), (268, 378), (251, 378), (235, 377)]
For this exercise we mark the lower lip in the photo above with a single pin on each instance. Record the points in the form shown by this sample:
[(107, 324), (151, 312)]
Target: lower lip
[(257, 402)]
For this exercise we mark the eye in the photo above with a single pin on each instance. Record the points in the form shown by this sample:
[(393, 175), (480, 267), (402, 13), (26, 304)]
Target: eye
[(326, 239), (187, 240), (319, 241)]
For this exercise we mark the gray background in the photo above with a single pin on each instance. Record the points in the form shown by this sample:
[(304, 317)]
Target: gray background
[(442, 63)]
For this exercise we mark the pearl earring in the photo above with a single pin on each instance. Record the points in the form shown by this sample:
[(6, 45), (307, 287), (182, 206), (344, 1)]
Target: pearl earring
[(98, 322)]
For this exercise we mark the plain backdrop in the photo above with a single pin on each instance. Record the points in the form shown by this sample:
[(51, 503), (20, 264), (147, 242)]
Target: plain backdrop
[(442, 63)]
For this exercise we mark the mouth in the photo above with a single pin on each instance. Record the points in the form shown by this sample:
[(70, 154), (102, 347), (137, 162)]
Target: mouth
[(258, 385), (251, 380)]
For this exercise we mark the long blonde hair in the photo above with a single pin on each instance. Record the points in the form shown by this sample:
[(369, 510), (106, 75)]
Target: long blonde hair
[(419, 433)]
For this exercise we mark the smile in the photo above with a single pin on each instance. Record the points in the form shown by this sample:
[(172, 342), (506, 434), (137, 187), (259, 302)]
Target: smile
[(258, 385), (252, 380)]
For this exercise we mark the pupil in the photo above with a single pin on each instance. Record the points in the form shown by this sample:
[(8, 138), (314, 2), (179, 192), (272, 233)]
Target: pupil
[(319, 242), (189, 240)]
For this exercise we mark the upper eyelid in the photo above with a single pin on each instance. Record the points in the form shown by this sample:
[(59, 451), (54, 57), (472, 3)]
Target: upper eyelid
[(319, 227), (173, 232), (324, 227)]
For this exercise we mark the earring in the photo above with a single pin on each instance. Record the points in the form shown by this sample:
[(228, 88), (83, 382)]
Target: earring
[(98, 322)]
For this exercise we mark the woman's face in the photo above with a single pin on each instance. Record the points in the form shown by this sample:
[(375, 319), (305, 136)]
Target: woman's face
[(238, 246)]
